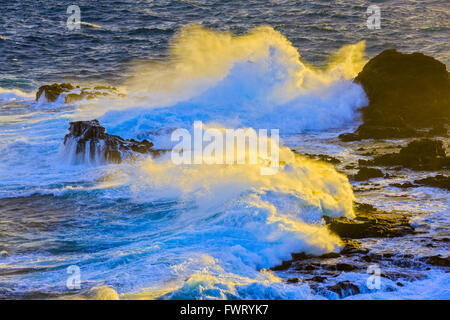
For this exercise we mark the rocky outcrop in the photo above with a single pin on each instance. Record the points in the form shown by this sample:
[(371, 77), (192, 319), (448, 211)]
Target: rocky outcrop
[(438, 181), (74, 93), (323, 157), (367, 173), (89, 94), (418, 155), (370, 223), (52, 91), (344, 289), (437, 261), (406, 92), (88, 140)]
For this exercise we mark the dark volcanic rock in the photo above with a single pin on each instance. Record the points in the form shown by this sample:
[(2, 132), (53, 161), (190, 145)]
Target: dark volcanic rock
[(370, 223), (330, 255), (283, 266), (404, 185), (317, 279), (438, 129), (422, 154), (371, 131), (344, 289), (90, 136), (353, 247), (52, 91), (324, 157), (438, 181), (438, 261), (293, 280), (367, 173), (406, 92)]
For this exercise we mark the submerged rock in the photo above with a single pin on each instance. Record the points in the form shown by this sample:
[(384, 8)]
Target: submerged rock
[(88, 140), (318, 279), (353, 247), (418, 155), (406, 92)]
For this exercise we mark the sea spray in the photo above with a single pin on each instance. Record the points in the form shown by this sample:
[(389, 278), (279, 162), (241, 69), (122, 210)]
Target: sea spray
[(249, 80), (232, 221), (204, 231)]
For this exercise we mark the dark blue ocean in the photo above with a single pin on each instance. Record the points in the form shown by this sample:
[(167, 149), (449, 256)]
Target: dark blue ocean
[(34, 32)]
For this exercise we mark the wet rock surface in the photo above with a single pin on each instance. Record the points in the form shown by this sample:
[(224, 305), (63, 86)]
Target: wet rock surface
[(438, 261), (425, 154), (344, 289), (74, 93), (52, 91), (406, 92), (89, 94), (438, 181), (370, 223), (324, 158), (324, 271), (367, 173), (90, 140), (403, 251)]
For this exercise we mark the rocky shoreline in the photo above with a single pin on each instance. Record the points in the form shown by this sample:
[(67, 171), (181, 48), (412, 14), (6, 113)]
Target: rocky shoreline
[(409, 97)]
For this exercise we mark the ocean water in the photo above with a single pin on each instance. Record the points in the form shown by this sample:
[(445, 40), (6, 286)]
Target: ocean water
[(151, 229)]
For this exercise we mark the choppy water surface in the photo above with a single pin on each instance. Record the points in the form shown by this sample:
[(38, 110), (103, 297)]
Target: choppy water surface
[(150, 229)]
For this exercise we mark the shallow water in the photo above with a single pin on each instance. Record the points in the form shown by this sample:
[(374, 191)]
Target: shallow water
[(149, 229)]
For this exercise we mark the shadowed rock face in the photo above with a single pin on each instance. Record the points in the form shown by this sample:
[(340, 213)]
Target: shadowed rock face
[(406, 92), (91, 140)]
